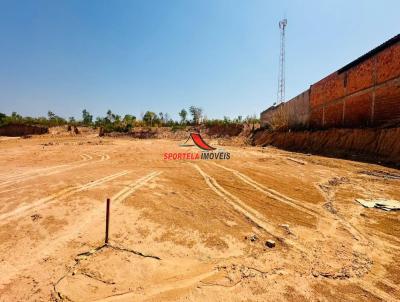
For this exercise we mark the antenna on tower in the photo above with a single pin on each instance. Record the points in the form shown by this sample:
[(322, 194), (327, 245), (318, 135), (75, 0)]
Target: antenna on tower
[(281, 76)]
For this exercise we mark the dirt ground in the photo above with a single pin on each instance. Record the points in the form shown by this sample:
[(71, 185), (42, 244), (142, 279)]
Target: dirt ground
[(191, 230)]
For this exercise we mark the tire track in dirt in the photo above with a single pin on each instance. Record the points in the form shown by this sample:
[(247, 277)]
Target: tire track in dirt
[(57, 169), (329, 191), (272, 193), (61, 194), (8, 179), (14, 189), (244, 209), (216, 187), (124, 193), (91, 218), (117, 198), (85, 157), (328, 195), (295, 203), (368, 286), (105, 157), (158, 290), (377, 292)]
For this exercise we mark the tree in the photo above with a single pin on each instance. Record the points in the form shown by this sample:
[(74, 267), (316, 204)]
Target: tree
[(128, 122), (129, 119), (15, 117), (227, 120), (196, 113), (252, 120), (166, 117), (87, 118), (149, 117), (99, 122), (2, 118), (110, 116), (50, 115), (183, 115), (71, 120)]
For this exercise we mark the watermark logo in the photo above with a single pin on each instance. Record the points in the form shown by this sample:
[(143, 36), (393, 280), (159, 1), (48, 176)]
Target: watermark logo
[(198, 141), (207, 152)]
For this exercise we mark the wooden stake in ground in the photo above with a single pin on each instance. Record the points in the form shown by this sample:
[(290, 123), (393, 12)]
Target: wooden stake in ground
[(107, 219)]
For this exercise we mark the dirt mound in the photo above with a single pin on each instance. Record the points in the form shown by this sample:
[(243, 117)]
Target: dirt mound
[(224, 133), (370, 144), (151, 133), (208, 131), (223, 130), (72, 130), (22, 130)]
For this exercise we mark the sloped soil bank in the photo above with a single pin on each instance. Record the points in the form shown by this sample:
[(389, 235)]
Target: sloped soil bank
[(365, 144), (207, 131), (21, 130), (224, 130)]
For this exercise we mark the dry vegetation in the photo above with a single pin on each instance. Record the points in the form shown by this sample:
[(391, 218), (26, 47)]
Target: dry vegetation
[(279, 120)]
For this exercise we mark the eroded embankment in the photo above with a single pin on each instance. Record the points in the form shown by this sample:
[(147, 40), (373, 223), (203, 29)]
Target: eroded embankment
[(182, 132), (369, 144), (21, 130)]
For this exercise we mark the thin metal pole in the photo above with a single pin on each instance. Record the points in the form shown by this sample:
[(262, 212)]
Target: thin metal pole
[(107, 219)]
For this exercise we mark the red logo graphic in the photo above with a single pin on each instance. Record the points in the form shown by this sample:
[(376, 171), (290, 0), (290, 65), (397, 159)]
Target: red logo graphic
[(207, 152), (198, 141)]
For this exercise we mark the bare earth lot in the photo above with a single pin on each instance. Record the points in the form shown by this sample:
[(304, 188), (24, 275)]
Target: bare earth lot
[(191, 230)]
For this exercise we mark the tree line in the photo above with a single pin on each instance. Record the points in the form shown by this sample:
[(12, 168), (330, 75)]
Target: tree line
[(115, 122)]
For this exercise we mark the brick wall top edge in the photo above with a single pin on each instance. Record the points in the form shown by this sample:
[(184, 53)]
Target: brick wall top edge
[(372, 56)]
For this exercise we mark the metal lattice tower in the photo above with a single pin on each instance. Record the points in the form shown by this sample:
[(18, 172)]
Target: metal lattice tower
[(281, 76)]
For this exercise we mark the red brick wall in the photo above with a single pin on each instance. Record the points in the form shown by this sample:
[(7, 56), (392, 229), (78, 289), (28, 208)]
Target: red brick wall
[(388, 64), (333, 115), (358, 110), (297, 112), (327, 89), (316, 117), (387, 103), (366, 94), (360, 76)]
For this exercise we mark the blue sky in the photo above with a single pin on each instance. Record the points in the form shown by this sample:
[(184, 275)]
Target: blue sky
[(133, 56)]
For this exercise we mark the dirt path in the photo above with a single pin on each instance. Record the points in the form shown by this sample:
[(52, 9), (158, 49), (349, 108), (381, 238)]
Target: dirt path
[(203, 223), (51, 170)]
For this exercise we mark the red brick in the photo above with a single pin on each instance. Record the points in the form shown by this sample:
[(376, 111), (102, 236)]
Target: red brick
[(360, 77), (388, 63), (335, 92), (327, 90), (387, 103), (333, 115), (316, 118), (357, 110)]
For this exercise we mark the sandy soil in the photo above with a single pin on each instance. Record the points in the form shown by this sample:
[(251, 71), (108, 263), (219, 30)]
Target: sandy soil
[(191, 230)]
